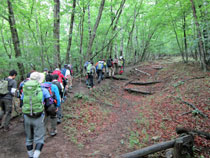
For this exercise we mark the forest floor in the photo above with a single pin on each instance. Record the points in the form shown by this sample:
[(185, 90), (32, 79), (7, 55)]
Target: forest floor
[(108, 121)]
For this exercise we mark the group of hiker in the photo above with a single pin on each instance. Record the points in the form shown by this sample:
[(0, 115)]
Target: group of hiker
[(41, 95), (103, 68)]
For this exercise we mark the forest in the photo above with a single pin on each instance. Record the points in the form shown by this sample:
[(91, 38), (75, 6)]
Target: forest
[(159, 106), (36, 34)]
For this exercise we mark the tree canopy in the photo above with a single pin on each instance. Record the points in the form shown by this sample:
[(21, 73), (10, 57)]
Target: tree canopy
[(35, 34)]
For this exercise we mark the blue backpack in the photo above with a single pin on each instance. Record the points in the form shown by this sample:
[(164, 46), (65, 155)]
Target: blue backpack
[(63, 71), (100, 65)]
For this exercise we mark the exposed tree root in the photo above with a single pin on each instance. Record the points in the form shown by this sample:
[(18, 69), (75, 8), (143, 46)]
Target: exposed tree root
[(180, 130), (137, 91), (119, 78), (194, 107), (142, 72), (144, 83)]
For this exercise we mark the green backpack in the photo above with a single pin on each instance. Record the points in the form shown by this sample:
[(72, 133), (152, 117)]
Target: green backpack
[(4, 87), (89, 69), (100, 65), (32, 101)]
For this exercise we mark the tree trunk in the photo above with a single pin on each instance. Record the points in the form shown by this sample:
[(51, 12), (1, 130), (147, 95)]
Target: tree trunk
[(185, 37), (89, 50), (56, 33), (89, 23), (118, 14), (147, 43), (15, 38), (70, 32), (81, 30), (177, 38), (201, 49)]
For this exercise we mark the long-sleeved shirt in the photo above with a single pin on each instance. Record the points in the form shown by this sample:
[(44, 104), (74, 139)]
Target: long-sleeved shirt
[(55, 89)]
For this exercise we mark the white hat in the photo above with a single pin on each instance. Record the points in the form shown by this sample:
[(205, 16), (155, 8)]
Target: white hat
[(57, 69), (37, 76)]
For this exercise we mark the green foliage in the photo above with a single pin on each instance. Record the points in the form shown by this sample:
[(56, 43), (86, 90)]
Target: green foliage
[(151, 33), (134, 139)]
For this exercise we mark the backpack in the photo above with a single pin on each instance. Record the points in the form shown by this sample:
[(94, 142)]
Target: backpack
[(4, 87), (100, 65), (89, 69), (63, 71), (52, 98), (60, 75), (33, 98), (109, 63), (120, 63)]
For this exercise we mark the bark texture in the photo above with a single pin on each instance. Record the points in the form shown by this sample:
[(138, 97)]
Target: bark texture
[(15, 38)]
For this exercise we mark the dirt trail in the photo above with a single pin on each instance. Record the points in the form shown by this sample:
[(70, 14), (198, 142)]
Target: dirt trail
[(113, 140), (107, 144)]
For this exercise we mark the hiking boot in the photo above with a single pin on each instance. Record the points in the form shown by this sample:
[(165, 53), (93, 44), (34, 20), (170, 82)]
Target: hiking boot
[(53, 133), (58, 120)]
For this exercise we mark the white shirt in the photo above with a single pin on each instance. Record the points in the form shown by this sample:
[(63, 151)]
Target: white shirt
[(67, 73)]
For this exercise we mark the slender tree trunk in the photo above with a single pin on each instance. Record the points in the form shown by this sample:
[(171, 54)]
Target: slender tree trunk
[(40, 42), (204, 17), (115, 23), (201, 49), (81, 30), (15, 38), (56, 33), (185, 37), (89, 23), (177, 38), (130, 37), (147, 43), (89, 50), (70, 32)]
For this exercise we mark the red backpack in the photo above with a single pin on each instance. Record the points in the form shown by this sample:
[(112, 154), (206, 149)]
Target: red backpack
[(60, 75)]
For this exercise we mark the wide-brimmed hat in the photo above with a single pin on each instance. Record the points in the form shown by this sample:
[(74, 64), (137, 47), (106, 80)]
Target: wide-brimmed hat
[(40, 77)]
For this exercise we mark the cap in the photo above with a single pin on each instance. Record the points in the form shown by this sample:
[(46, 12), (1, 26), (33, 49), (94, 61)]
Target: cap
[(45, 69), (37, 76)]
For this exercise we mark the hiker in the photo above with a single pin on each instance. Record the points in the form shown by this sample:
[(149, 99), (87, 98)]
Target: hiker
[(110, 66), (66, 73), (99, 69), (20, 89), (58, 84), (123, 63), (104, 70), (85, 68), (7, 90), (71, 75), (33, 100), (115, 65), (120, 65), (46, 71), (90, 72), (61, 77), (54, 104)]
